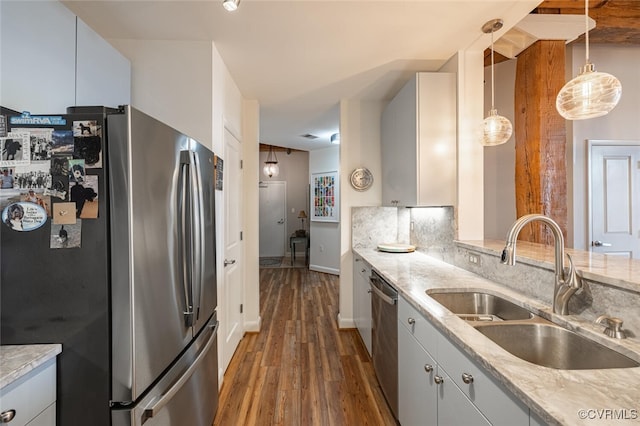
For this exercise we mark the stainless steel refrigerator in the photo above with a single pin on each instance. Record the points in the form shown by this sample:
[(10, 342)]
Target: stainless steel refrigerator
[(134, 305)]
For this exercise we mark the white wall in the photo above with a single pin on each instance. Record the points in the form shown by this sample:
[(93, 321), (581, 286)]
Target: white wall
[(359, 147), (171, 81), (500, 161), (251, 176), (324, 237), (469, 212)]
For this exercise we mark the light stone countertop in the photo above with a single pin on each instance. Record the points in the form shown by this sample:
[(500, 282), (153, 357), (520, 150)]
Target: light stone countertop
[(18, 360), (556, 396)]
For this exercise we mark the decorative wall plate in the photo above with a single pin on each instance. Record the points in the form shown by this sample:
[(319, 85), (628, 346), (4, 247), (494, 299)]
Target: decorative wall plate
[(361, 179)]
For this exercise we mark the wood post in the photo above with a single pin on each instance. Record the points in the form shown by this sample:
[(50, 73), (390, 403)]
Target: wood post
[(540, 132)]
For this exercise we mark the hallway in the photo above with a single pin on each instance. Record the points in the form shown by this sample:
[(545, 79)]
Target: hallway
[(300, 369)]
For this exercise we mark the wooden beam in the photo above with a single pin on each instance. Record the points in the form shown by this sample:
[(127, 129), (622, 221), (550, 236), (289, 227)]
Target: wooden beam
[(617, 21), (541, 181)]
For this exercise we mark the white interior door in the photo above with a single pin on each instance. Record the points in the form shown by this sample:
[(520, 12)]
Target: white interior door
[(233, 262), (273, 224), (615, 199)]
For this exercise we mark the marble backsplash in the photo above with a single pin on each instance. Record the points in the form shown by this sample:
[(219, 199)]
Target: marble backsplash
[(430, 229)]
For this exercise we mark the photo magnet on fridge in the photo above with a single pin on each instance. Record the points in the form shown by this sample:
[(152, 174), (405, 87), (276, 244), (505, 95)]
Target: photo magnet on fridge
[(66, 236)]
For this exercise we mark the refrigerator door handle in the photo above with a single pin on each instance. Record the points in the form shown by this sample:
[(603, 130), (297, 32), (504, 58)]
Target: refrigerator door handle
[(197, 240), (185, 236), (157, 405)]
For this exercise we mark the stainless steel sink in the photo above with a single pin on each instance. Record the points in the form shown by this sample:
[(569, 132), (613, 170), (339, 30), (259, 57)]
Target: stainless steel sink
[(552, 346), (476, 306)]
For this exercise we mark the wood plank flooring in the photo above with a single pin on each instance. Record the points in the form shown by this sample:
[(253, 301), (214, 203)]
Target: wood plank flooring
[(301, 369)]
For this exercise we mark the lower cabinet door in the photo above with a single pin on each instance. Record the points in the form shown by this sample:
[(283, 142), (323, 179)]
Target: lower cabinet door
[(417, 390), (454, 409)]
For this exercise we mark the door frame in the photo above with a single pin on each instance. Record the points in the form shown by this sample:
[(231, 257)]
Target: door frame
[(590, 143)]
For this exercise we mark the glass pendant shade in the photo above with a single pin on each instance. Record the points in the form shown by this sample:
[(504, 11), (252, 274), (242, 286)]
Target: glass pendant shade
[(271, 168), (497, 129), (591, 94)]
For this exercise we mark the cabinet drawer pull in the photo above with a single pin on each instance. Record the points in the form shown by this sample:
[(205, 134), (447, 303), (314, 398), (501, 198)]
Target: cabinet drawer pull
[(467, 378), (411, 321), (7, 416), (438, 380), (428, 368)]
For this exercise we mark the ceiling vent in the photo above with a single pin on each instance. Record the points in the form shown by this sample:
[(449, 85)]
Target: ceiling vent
[(309, 136)]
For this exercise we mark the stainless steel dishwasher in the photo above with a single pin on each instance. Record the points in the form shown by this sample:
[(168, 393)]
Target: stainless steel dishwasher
[(384, 338)]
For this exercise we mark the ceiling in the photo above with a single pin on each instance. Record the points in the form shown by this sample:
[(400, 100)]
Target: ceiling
[(300, 58)]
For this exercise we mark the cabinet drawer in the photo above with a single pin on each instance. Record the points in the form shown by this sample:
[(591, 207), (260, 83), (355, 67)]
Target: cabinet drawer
[(422, 330), (491, 398), (46, 418), (362, 268), (31, 394)]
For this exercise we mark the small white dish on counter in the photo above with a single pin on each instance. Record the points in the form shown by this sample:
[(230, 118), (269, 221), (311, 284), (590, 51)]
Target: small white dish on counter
[(396, 248)]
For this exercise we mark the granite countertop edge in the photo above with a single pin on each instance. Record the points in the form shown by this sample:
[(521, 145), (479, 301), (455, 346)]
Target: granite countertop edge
[(18, 360), (556, 396)]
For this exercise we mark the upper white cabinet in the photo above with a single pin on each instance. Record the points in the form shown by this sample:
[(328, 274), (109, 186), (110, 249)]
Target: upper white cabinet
[(51, 60), (419, 143), (38, 49), (103, 74)]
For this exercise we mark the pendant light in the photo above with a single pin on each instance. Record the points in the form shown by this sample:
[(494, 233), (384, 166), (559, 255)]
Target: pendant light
[(271, 165), (497, 129), (591, 94), (231, 5)]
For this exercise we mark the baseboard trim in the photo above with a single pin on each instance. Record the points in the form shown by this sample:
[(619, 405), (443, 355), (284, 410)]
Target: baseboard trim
[(324, 269), (345, 322), (253, 326)]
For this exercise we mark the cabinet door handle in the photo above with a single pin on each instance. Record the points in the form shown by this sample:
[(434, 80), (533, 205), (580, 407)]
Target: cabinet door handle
[(438, 380), (428, 368), (467, 378), (7, 416), (411, 321)]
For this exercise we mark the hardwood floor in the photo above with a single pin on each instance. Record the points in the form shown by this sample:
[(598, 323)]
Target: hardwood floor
[(301, 369)]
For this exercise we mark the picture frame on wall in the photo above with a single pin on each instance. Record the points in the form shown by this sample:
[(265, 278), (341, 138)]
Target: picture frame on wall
[(325, 196)]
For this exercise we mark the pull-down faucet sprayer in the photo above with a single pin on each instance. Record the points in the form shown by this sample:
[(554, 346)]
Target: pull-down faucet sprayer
[(566, 280)]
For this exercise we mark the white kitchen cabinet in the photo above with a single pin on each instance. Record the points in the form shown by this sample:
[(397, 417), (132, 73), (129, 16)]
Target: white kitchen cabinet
[(417, 392), (51, 60), (33, 397), (480, 402), (418, 143), (497, 404), (362, 300), (37, 46)]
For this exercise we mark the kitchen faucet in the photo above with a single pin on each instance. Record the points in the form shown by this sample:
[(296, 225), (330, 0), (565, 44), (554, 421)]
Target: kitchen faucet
[(567, 282)]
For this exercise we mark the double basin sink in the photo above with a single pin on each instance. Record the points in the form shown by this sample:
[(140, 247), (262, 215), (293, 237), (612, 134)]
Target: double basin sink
[(529, 336)]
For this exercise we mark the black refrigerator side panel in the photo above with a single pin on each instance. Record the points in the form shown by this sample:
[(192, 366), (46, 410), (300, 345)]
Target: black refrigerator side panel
[(61, 295)]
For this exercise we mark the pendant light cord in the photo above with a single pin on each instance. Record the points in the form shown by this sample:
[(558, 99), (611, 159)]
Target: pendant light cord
[(586, 30), (492, 79)]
